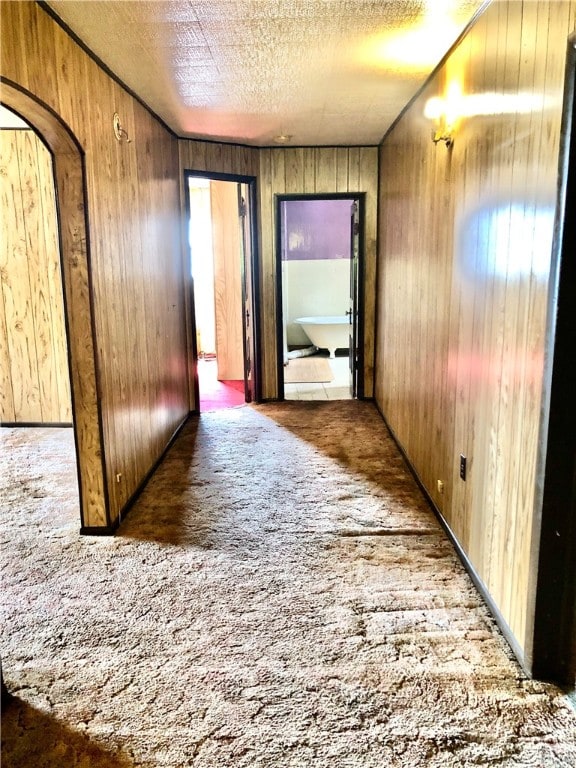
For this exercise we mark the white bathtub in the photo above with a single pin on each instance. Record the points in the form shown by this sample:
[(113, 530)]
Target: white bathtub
[(329, 333)]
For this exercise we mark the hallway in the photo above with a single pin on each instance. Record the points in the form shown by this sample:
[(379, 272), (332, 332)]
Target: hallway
[(279, 595)]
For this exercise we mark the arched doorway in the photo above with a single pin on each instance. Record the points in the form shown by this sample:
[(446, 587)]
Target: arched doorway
[(72, 226)]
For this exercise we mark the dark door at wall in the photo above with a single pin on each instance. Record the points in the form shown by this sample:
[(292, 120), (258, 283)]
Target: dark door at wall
[(352, 244), (554, 639), (354, 304), (246, 245)]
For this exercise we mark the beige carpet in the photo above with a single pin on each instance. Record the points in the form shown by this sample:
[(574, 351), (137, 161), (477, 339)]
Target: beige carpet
[(280, 596), (309, 370)]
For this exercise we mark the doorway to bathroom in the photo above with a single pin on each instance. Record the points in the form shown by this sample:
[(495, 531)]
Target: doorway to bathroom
[(319, 261), (221, 227)]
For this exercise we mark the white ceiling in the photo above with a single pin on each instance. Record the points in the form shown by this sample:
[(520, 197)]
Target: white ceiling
[(324, 72)]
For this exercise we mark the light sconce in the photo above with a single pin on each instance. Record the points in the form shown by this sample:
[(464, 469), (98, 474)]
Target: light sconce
[(446, 112), (443, 134), (120, 132)]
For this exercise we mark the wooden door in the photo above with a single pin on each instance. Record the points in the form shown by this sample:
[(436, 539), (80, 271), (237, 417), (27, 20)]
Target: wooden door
[(226, 239), (354, 305), (247, 278)]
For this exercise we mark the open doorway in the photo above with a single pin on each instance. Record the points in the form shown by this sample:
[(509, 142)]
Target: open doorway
[(222, 260), (69, 186), (319, 257), (36, 413)]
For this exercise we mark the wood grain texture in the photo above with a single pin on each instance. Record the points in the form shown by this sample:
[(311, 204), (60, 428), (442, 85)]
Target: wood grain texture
[(135, 287), (36, 380), (465, 244), (207, 157), (69, 181), (214, 157), (227, 280), (313, 170)]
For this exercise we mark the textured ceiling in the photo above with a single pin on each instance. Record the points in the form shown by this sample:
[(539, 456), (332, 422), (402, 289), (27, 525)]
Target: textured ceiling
[(321, 71)]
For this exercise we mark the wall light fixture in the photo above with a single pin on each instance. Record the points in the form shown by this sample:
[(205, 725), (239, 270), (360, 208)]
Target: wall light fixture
[(120, 132), (443, 134)]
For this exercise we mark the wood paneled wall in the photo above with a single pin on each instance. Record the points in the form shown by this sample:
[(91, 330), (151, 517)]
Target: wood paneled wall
[(136, 269), (464, 267), (214, 157), (208, 157), (313, 170), (35, 380)]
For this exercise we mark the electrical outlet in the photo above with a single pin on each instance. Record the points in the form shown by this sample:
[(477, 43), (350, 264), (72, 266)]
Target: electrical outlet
[(462, 466)]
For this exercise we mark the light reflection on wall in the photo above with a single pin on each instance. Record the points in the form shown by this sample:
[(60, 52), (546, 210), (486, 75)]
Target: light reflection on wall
[(515, 242), (459, 105), (501, 246)]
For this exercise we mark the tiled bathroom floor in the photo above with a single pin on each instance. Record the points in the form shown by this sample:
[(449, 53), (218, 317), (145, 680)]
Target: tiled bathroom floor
[(338, 389)]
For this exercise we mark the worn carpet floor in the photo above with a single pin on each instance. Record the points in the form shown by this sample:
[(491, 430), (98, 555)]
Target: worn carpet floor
[(280, 595)]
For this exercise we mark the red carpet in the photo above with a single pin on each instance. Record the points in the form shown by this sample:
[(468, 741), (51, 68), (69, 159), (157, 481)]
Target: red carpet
[(214, 394)]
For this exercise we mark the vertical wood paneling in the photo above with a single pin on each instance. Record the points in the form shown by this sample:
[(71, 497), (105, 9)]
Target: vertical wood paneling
[(294, 163), (465, 239), (267, 302), (326, 170), (314, 170), (368, 182), (53, 370), (34, 355), (218, 158), (69, 180), (353, 168), (21, 358), (87, 428), (466, 374), (210, 157), (309, 170), (6, 396), (136, 273), (342, 169)]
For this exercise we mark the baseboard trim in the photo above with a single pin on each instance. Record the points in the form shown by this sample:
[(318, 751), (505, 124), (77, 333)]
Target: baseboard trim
[(476, 580), (111, 529), (92, 530)]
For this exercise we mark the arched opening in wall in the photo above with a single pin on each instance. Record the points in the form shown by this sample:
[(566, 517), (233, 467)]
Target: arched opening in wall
[(320, 273), (72, 294), (36, 404), (221, 229)]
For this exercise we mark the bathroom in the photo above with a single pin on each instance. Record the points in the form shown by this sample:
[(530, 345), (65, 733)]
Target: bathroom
[(318, 238)]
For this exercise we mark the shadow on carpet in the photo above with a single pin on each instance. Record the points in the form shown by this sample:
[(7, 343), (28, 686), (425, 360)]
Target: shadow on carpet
[(34, 739)]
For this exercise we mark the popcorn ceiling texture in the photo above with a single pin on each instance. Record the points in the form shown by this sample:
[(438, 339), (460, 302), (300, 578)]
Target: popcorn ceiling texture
[(248, 70), (279, 595)]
